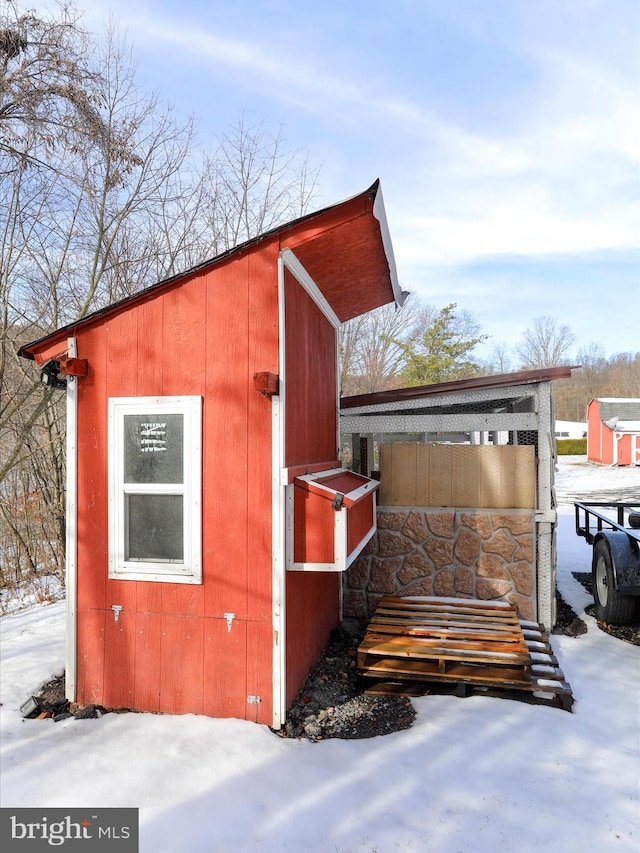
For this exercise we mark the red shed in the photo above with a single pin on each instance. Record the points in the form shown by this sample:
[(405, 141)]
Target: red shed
[(613, 431), (208, 519)]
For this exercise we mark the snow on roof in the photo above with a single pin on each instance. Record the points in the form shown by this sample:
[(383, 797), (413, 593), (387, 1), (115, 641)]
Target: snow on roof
[(624, 426)]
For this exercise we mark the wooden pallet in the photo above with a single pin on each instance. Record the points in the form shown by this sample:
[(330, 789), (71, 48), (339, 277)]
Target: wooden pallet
[(467, 644)]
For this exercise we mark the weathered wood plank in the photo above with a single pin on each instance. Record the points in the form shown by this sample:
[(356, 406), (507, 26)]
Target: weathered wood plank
[(440, 602), (413, 642), (443, 619), (455, 672), (444, 632), (426, 650), (405, 640), (467, 644)]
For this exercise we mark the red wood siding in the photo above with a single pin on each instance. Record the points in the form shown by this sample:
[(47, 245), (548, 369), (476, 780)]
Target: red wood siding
[(312, 613), (606, 445), (313, 528), (594, 433), (311, 390), (90, 656), (170, 649), (225, 655), (312, 599), (148, 650), (625, 451), (327, 248), (207, 333), (360, 520), (602, 445)]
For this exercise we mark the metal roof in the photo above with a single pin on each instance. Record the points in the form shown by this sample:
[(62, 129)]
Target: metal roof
[(495, 380)]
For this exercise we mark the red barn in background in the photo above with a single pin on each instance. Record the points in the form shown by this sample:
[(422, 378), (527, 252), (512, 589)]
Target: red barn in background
[(613, 431), (208, 518)]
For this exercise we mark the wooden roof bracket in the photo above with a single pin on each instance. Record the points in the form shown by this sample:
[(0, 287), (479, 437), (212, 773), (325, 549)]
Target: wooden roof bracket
[(73, 366)]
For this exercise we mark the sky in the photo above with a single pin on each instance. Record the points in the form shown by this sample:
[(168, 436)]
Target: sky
[(505, 133), (471, 775)]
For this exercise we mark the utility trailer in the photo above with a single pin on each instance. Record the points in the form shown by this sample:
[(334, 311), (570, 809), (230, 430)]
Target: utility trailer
[(614, 531)]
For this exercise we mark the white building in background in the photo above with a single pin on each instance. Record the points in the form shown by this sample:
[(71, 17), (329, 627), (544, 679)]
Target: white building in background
[(570, 429)]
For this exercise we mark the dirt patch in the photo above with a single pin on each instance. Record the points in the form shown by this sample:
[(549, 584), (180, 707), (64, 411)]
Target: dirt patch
[(52, 693), (627, 633), (51, 702), (567, 620)]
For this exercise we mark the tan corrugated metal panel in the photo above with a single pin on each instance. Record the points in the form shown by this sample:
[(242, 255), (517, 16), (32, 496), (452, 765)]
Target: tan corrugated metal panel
[(509, 467), (405, 473), (466, 476), (458, 475), (524, 477), (491, 483), (386, 465), (440, 471), (423, 465), (390, 486)]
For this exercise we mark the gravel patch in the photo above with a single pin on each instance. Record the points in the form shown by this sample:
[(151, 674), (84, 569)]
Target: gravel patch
[(332, 703)]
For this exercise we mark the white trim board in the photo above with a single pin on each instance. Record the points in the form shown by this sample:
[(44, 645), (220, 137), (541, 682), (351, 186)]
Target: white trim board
[(298, 271), (188, 569), (71, 569)]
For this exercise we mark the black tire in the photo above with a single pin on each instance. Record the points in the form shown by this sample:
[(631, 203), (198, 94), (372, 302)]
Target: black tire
[(611, 607)]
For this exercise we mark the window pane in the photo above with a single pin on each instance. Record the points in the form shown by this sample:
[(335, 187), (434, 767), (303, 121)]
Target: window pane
[(153, 448), (154, 527)]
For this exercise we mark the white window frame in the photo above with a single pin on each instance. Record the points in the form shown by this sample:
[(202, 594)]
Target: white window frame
[(190, 569)]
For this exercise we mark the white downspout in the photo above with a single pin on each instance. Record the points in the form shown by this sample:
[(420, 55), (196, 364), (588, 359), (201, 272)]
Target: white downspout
[(71, 527)]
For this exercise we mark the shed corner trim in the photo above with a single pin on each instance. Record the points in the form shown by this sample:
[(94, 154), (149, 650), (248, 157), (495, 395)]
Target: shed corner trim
[(380, 214)]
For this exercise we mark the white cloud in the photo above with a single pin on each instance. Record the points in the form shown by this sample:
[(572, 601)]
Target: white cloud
[(516, 225), (286, 75), (556, 177), (564, 181)]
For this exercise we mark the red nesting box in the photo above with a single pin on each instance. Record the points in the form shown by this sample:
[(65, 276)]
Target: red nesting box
[(330, 518)]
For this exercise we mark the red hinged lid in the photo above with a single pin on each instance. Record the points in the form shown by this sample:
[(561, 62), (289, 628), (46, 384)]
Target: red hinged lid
[(329, 484)]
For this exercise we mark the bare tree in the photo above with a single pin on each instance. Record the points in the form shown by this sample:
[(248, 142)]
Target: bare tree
[(371, 354), (618, 376), (546, 344), (48, 86), (82, 157), (624, 372), (100, 196), (49, 103), (251, 183), (499, 358)]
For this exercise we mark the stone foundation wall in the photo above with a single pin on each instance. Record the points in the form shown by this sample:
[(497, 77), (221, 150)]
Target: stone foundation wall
[(466, 553)]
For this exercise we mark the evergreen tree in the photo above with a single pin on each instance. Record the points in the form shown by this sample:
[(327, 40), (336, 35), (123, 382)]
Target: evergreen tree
[(441, 348)]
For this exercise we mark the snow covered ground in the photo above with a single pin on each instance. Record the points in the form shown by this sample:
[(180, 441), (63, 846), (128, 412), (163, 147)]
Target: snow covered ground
[(476, 774)]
